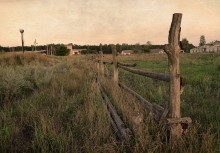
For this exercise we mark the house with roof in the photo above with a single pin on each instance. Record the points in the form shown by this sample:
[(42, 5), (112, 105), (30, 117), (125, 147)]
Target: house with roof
[(157, 51), (73, 51), (127, 52), (207, 48)]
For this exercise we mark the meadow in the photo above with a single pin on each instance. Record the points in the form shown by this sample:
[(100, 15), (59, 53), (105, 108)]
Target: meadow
[(53, 104)]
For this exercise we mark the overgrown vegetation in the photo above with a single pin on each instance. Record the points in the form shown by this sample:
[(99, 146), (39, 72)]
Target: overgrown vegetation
[(52, 104), (62, 50)]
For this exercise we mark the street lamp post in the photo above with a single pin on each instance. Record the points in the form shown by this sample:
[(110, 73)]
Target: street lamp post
[(22, 39)]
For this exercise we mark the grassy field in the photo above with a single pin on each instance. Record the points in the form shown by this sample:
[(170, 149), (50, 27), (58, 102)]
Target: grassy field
[(52, 104)]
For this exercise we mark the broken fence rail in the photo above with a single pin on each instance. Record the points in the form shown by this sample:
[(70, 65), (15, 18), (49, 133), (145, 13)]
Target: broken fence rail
[(119, 127), (157, 110)]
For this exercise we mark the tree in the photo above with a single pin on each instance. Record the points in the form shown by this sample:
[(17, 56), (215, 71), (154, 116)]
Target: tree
[(62, 50), (186, 46), (202, 41), (147, 46), (148, 43), (137, 48)]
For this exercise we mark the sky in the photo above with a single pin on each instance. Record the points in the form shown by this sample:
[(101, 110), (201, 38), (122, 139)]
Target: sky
[(91, 22)]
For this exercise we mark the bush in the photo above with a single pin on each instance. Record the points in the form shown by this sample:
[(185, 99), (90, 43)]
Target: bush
[(62, 50)]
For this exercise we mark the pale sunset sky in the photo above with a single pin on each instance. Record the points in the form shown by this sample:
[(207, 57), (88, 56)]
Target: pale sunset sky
[(106, 21)]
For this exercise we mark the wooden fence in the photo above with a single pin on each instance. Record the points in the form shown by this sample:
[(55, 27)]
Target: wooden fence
[(169, 116)]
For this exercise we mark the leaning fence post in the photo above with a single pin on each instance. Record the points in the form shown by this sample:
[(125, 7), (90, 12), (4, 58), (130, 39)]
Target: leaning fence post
[(173, 49), (101, 61), (114, 53)]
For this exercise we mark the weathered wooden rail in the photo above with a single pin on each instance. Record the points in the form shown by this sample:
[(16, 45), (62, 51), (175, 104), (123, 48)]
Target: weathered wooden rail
[(170, 116), (153, 75), (157, 110), (119, 127)]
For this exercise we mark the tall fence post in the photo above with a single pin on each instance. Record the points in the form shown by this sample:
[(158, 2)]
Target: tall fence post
[(114, 53), (173, 49), (101, 63)]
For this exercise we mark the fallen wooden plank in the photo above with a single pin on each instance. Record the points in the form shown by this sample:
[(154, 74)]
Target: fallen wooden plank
[(157, 110), (115, 129), (125, 134), (146, 103)]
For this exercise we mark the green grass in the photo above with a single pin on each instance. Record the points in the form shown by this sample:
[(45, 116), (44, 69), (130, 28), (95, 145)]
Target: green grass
[(52, 104), (201, 97)]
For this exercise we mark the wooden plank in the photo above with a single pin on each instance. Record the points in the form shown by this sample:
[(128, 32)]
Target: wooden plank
[(115, 129), (125, 132), (157, 110), (101, 63), (127, 64), (164, 115), (114, 53), (105, 62), (153, 75), (158, 76), (97, 63), (186, 120), (145, 103)]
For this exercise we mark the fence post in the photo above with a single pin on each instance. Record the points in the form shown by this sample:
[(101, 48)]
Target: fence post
[(173, 50), (51, 50), (114, 53), (101, 63), (47, 50), (97, 63)]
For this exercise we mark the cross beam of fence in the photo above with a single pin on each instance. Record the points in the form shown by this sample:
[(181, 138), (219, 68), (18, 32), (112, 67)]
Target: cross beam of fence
[(153, 75), (127, 64), (122, 64), (105, 62), (158, 76)]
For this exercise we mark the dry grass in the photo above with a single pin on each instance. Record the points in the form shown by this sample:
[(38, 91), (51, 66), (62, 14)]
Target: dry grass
[(13, 58), (61, 109)]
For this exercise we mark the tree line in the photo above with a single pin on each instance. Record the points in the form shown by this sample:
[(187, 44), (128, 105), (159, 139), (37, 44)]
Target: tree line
[(106, 48)]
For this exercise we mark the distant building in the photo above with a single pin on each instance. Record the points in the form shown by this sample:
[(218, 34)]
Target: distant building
[(182, 51), (127, 52), (208, 48), (73, 51), (69, 46), (157, 51), (77, 51)]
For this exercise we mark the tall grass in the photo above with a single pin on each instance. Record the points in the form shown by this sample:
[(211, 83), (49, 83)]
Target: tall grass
[(63, 114), (200, 99), (53, 104)]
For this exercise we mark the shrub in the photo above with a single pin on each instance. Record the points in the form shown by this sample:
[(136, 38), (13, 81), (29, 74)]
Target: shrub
[(62, 50), (13, 84), (219, 67)]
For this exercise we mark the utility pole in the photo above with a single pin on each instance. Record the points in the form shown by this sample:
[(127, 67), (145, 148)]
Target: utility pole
[(35, 43), (22, 39)]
